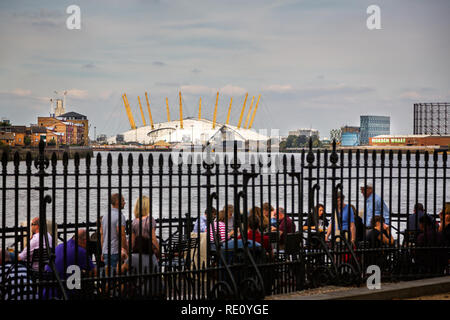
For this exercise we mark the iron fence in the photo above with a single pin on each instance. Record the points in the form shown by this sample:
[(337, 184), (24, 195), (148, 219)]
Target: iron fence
[(119, 253)]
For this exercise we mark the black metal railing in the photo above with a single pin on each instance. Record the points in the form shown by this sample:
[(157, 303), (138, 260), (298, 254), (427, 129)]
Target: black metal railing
[(65, 233)]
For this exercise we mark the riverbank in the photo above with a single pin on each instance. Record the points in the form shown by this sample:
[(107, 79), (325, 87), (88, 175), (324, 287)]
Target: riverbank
[(59, 151)]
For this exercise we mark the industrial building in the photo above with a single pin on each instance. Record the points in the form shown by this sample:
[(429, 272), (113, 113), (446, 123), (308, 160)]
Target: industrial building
[(196, 131), (372, 126), (432, 118), (410, 140)]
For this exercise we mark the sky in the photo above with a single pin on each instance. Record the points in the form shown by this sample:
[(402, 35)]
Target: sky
[(314, 62)]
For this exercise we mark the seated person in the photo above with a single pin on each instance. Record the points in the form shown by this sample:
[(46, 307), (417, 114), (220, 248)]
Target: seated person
[(218, 228), (201, 225), (16, 283), (379, 235), (83, 261), (284, 225), (428, 255), (316, 218), (344, 221), (413, 219), (444, 225), (75, 255), (34, 243), (267, 214), (254, 226)]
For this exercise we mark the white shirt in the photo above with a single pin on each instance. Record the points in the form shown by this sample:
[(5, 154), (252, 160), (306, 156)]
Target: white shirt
[(34, 244)]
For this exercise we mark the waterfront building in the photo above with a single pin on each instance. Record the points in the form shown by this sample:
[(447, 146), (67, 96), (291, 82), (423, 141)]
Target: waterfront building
[(304, 132), (350, 136), (410, 140), (371, 126)]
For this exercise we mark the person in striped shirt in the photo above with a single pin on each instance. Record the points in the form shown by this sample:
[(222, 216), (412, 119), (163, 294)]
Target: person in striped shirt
[(15, 282), (218, 228)]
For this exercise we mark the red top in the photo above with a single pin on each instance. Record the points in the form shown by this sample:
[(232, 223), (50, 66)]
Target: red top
[(257, 238)]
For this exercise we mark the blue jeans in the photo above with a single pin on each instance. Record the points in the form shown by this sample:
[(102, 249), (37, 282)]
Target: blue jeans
[(113, 262)]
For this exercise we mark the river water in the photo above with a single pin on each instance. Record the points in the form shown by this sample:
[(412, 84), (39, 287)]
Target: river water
[(84, 197)]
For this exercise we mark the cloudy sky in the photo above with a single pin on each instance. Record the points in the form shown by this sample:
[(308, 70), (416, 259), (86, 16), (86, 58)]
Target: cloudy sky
[(314, 62)]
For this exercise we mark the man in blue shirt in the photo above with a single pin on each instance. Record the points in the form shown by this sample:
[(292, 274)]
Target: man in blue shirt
[(82, 261), (380, 206), (201, 225), (75, 255), (344, 220)]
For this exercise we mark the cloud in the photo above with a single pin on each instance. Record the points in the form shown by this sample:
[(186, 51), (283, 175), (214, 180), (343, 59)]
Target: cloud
[(196, 89), (77, 93), (199, 89), (88, 66), (411, 95), (159, 63), (21, 92), (232, 90), (195, 70), (278, 88)]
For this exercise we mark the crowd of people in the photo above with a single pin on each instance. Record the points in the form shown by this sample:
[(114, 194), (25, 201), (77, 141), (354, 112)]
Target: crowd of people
[(263, 225), (143, 254)]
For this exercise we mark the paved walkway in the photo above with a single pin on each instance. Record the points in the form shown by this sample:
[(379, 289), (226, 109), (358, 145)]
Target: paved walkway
[(388, 291)]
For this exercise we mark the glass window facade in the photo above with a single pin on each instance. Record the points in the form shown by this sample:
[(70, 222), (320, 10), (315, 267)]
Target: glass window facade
[(372, 126)]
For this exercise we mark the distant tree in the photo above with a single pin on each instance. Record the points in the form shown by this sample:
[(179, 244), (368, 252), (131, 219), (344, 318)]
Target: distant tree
[(290, 142), (317, 143), (302, 141), (282, 145), (27, 140)]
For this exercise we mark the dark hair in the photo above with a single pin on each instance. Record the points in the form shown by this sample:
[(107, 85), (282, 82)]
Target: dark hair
[(418, 207), (254, 217), (340, 195), (376, 219), (115, 199), (213, 213), (425, 220)]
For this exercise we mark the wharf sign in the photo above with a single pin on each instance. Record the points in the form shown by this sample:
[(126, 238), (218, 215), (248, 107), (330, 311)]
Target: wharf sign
[(388, 140)]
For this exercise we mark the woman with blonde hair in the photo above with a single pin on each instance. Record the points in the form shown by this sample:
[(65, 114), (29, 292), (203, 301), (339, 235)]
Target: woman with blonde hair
[(143, 238), (145, 209)]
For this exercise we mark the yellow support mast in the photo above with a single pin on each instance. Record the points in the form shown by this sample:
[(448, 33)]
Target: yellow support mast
[(248, 114), (200, 109), (181, 113), (149, 112), (129, 114), (142, 112), (242, 112), (254, 112), (168, 112), (215, 111), (229, 111)]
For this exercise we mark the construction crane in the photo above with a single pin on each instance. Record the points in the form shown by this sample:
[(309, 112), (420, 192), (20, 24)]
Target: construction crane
[(149, 112), (248, 114), (181, 113), (229, 111), (168, 112), (200, 109), (129, 114), (215, 111), (254, 112), (242, 111), (142, 112)]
